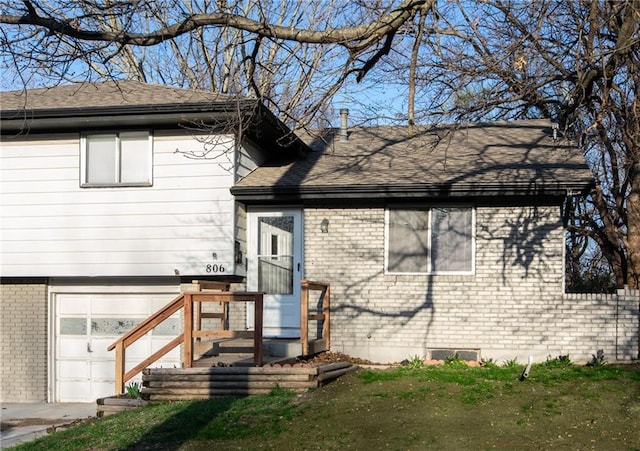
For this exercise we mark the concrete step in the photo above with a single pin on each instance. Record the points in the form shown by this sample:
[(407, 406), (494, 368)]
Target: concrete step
[(217, 347), (239, 352), (283, 348)]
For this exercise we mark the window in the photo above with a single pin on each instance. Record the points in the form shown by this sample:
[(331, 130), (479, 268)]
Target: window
[(114, 159), (433, 240)]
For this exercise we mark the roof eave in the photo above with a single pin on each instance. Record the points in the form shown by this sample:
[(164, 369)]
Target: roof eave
[(36, 120), (191, 115), (353, 192)]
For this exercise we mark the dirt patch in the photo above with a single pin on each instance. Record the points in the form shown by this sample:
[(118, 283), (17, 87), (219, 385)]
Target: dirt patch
[(52, 423), (24, 422), (333, 357)]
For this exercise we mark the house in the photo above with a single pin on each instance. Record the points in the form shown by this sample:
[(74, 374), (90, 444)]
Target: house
[(114, 196), (448, 240)]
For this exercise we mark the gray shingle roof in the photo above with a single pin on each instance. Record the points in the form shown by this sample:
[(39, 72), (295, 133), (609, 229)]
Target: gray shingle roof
[(117, 104), (106, 94), (518, 157)]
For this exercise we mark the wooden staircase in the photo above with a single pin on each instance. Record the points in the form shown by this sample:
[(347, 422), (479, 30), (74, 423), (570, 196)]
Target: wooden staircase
[(241, 370), (161, 384)]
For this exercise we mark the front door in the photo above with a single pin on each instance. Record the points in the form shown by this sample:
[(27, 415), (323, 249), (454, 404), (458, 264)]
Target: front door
[(275, 268)]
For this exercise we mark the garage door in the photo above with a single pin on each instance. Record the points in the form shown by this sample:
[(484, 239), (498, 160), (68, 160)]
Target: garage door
[(87, 323)]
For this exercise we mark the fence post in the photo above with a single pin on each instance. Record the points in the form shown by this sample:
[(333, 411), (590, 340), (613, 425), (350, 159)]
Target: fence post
[(326, 309), (188, 331), (257, 329), (304, 316), (120, 359)]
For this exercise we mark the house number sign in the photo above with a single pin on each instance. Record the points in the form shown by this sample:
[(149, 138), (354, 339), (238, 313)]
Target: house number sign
[(214, 268)]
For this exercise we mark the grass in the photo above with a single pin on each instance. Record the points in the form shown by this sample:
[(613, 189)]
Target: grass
[(445, 407)]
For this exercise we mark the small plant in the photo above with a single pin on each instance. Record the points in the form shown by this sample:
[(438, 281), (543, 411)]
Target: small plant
[(511, 363), (488, 363), (133, 390), (562, 361), (415, 362), (597, 359), (453, 359)]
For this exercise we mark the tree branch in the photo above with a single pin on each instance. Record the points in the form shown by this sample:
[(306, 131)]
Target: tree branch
[(356, 39)]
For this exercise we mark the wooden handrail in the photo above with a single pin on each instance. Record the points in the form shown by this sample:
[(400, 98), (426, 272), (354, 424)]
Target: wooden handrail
[(190, 330), (122, 343), (305, 316), (145, 326)]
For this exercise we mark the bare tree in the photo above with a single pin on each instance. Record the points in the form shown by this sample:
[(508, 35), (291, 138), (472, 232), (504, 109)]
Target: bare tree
[(576, 63), (291, 55)]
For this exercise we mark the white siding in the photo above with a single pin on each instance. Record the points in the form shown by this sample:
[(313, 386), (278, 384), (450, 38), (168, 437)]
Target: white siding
[(52, 227), (248, 158)]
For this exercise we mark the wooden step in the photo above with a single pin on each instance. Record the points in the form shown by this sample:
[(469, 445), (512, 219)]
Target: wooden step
[(209, 382), (209, 348)]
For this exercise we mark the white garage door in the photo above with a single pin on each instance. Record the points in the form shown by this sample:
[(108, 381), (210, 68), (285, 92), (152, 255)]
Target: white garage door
[(87, 323)]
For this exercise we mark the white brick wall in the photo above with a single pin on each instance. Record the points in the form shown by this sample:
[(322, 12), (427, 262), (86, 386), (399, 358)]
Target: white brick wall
[(23, 342), (512, 307)]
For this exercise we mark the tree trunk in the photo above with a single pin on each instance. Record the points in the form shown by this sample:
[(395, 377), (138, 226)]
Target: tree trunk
[(633, 225), (633, 233)]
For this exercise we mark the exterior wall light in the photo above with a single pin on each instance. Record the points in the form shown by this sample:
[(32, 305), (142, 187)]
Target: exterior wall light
[(324, 226)]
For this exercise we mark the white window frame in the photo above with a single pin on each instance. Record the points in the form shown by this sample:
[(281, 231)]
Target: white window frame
[(428, 209), (85, 183)]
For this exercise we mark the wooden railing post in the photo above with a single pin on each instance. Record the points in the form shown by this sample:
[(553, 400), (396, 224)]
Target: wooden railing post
[(187, 346), (304, 317), (325, 295), (197, 313), (120, 359), (257, 329), (326, 309)]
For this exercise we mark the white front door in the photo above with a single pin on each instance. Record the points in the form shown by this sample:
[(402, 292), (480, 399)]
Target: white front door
[(275, 268)]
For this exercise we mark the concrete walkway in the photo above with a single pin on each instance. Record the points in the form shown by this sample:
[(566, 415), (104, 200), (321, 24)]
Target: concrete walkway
[(23, 422)]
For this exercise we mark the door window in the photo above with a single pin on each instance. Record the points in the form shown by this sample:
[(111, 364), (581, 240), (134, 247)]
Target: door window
[(275, 254)]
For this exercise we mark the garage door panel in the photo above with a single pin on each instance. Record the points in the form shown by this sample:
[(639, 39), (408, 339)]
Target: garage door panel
[(118, 304), (74, 391), (73, 326), (170, 327), (99, 347), (103, 371), (157, 344), (72, 305), (113, 326), (101, 389), (74, 369), (139, 350), (158, 302), (72, 347)]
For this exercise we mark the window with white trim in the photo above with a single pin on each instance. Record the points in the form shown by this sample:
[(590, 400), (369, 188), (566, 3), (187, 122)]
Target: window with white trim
[(116, 159), (430, 240)]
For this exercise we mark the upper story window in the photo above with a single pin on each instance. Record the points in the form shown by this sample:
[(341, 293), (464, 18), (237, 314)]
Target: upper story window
[(116, 159), (431, 240)]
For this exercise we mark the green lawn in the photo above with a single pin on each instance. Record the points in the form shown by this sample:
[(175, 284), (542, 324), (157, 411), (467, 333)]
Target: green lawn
[(407, 408)]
